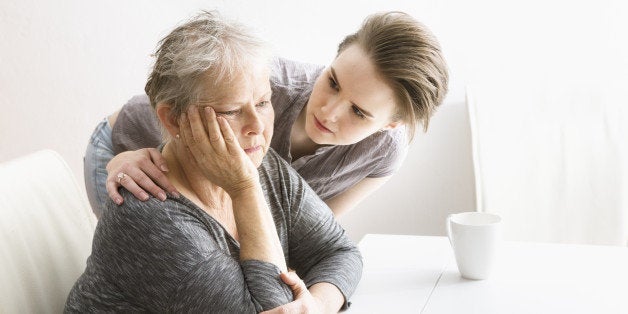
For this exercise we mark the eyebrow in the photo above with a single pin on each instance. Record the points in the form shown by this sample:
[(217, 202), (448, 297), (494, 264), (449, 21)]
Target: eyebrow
[(335, 78), (213, 102)]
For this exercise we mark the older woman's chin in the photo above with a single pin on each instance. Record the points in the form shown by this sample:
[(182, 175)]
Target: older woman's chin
[(257, 155)]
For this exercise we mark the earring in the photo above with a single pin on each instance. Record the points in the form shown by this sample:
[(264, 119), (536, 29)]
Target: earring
[(178, 136)]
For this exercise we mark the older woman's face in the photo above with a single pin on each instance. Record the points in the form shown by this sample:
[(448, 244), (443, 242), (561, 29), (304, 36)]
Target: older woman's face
[(245, 104)]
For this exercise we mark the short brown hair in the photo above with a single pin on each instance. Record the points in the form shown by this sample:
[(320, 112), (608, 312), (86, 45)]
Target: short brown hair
[(409, 57)]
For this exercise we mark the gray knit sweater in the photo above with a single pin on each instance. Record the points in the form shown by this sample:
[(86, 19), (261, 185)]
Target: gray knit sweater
[(172, 256)]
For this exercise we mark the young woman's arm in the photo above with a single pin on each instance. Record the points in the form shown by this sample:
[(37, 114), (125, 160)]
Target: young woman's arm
[(144, 174), (144, 169), (347, 200)]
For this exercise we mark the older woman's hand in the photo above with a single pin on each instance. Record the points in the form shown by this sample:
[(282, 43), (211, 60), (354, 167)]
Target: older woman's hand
[(216, 151), (303, 302)]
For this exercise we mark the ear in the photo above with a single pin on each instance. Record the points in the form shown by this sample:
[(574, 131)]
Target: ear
[(392, 125), (167, 120)]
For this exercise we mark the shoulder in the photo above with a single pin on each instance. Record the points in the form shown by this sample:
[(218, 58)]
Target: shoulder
[(385, 144), (391, 142), (147, 249), (275, 169), (383, 151), (291, 84), (152, 223), (136, 126), (134, 217), (282, 185), (137, 103), (287, 72), (137, 230), (287, 193), (139, 100), (137, 106)]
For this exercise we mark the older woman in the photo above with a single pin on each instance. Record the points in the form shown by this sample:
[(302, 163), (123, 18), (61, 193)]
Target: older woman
[(243, 217)]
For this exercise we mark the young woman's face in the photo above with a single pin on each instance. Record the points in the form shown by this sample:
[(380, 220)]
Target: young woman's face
[(349, 101)]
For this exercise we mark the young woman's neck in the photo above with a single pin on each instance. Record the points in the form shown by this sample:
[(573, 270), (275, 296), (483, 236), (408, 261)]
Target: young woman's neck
[(300, 143)]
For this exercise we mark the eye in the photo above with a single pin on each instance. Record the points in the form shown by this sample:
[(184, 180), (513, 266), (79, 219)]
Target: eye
[(228, 113), (358, 112), (333, 84), (263, 104)]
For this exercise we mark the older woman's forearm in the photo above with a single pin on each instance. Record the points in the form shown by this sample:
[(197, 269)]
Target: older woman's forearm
[(336, 260), (256, 228), (328, 296)]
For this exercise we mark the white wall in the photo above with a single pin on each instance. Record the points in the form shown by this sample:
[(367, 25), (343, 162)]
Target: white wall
[(66, 64), (435, 180)]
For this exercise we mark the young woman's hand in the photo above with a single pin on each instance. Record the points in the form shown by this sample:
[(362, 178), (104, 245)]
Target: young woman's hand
[(139, 171), (303, 302), (216, 151)]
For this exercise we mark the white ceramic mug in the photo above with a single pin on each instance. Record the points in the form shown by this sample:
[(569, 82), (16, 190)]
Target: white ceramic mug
[(475, 238)]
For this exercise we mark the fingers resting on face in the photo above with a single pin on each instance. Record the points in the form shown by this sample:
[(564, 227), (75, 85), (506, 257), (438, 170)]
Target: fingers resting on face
[(214, 148)]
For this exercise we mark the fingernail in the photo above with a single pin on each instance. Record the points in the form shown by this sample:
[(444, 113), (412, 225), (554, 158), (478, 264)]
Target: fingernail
[(162, 196), (164, 168), (175, 194), (117, 200), (143, 196)]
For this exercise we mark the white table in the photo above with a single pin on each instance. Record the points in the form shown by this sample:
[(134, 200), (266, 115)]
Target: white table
[(416, 274)]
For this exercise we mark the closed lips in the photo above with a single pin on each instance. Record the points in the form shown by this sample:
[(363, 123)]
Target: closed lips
[(253, 149), (321, 126)]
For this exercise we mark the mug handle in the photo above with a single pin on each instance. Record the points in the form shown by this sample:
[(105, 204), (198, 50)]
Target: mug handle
[(449, 229)]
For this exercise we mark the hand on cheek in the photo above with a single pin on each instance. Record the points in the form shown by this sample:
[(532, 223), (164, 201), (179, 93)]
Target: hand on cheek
[(215, 150)]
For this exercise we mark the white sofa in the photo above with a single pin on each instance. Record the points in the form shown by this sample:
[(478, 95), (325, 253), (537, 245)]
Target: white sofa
[(46, 229)]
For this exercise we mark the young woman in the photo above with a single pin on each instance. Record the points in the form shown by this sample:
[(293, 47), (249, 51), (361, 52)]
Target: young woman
[(344, 128)]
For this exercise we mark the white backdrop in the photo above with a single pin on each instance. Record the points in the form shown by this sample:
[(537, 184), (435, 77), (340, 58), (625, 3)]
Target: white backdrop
[(555, 164), (66, 64)]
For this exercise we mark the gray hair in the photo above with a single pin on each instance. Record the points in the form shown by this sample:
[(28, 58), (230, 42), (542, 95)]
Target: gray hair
[(205, 51), (409, 57)]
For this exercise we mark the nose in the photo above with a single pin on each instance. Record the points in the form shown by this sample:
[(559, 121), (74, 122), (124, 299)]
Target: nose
[(253, 124), (331, 110)]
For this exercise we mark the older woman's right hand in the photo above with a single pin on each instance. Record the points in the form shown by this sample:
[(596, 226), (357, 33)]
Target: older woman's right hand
[(139, 171), (303, 302), (216, 151)]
